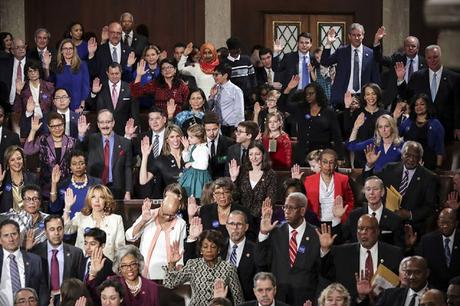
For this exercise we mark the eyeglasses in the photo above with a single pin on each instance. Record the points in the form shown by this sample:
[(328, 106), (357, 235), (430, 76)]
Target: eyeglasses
[(131, 266), (235, 224), (56, 126), (60, 98), (164, 68), (20, 47), (115, 33), (220, 193), (240, 132), (290, 208), (105, 122), (31, 300), (34, 199), (67, 49)]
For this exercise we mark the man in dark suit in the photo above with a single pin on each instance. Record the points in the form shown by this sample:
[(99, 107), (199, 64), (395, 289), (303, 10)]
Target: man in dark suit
[(416, 184), (269, 72), (439, 83), (264, 290), (60, 260), (95, 239), (240, 251), (390, 224), (218, 145), (341, 263), (130, 38), (441, 249), (113, 50), (24, 269), (410, 57), (42, 38), (115, 95), (246, 132), (418, 272), (355, 64), (291, 250), (7, 137), (109, 155)]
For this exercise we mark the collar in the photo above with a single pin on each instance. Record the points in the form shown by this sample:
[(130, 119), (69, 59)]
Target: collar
[(301, 55), (19, 61), (410, 170), (116, 84), (415, 59), (411, 291), (60, 248), (378, 211), (15, 253), (272, 304), (215, 139), (43, 50), (451, 237), (160, 133), (113, 46), (373, 249), (234, 59), (360, 49), (239, 244), (438, 73), (300, 228), (67, 112), (130, 34)]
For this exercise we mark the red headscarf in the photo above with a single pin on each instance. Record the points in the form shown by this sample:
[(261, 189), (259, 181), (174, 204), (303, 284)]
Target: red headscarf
[(208, 66)]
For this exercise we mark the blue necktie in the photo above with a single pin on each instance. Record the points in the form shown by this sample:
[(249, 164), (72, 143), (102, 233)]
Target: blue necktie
[(14, 274), (434, 87), (233, 255), (356, 71), (447, 251), (305, 72)]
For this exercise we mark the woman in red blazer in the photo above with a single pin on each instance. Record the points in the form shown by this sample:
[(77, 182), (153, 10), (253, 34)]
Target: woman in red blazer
[(343, 199), (277, 142)]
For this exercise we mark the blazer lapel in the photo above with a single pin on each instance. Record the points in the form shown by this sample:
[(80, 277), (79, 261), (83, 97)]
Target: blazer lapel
[(365, 61), (67, 262), (25, 258), (455, 257), (116, 150), (348, 62), (121, 95)]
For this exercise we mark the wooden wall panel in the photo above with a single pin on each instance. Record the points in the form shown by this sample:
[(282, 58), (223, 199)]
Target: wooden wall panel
[(168, 21)]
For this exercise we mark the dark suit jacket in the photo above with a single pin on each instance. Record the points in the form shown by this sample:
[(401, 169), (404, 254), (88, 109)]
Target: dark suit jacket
[(299, 283), (342, 57), (126, 108), (73, 260), (138, 44), (233, 152), (9, 138), (421, 194), (393, 297), (342, 262), (218, 163), (446, 104), (391, 226), (261, 73), (122, 177), (103, 58), (6, 77), (103, 274), (7, 189), (431, 247), (33, 275), (289, 66), (255, 303), (389, 82), (246, 268), (73, 124), (33, 54)]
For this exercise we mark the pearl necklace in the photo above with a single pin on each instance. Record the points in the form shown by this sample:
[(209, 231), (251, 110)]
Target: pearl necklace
[(136, 288), (79, 186)]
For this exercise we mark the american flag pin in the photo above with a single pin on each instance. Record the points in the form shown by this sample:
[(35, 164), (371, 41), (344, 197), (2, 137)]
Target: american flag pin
[(307, 238), (248, 255)]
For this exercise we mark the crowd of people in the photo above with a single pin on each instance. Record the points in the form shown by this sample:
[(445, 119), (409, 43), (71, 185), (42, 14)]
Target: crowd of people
[(201, 138)]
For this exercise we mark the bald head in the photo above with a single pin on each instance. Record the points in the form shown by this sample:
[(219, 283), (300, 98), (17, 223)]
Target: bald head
[(447, 221), (115, 33), (367, 231), (433, 297), (411, 46)]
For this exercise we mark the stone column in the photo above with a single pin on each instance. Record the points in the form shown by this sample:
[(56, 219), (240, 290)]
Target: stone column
[(12, 17), (217, 21), (396, 24)]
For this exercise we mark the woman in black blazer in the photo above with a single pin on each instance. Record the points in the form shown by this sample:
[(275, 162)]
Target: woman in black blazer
[(13, 179)]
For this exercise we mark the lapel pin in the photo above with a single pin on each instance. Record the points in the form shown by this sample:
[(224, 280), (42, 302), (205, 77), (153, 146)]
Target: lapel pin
[(119, 146), (455, 247), (122, 89), (68, 254), (385, 216), (381, 261), (307, 238), (248, 255), (27, 263), (418, 178), (444, 78), (367, 54)]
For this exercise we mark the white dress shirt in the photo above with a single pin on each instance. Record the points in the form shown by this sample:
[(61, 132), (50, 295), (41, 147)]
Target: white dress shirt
[(6, 290), (36, 97), (419, 294), (216, 141), (161, 136), (130, 37), (363, 256), (66, 115), (60, 258), (415, 61), (239, 250), (14, 76), (378, 212), (352, 65), (118, 50), (326, 200), (451, 241)]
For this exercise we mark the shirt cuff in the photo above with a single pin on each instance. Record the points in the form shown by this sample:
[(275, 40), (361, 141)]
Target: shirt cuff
[(335, 221), (322, 254), (29, 114), (263, 237), (399, 82)]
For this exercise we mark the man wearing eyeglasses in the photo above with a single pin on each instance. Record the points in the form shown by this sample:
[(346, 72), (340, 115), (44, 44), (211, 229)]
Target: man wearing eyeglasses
[(19, 268), (26, 296)]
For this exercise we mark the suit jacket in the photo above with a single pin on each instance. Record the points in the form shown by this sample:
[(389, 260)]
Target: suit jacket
[(33, 54), (342, 57), (341, 187), (342, 262), (255, 303), (261, 73), (393, 297), (25, 125), (421, 194), (234, 152), (289, 66), (389, 82), (7, 189), (299, 283), (391, 226), (138, 43), (126, 108), (6, 77), (73, 259), (33, 275), (218, 163), (446, 104), (8, 138), (246, 268), (101, 275), (103, 58), (122, 177), (431, 247)]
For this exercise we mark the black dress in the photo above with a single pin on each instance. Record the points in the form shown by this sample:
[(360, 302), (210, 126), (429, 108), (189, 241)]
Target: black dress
[(165, 171)]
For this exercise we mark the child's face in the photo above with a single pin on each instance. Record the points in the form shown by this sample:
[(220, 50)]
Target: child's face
[(274, 124), (192, 139), (271, 102), (314, 165)]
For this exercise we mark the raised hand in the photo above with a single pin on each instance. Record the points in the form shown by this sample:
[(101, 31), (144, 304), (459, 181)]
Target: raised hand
[(400, 70), (379, 35), (92, 45), (360, 120), (234, 169), (371, 155), (2, 174), (146, 210), (348, 99), (214, 90), (46, 59), (97, 261), (452, 200), (131, 59), (146, 148), (82, 125), (69, 198), (30, 106), (277, 46), (140, 69), (398, 111), (410, 236), (188, 49), (81, 301), (192, 207), (185, 142), (308, 303), (36, 124), (56, 174), (294, 82), (220, 290), (326, 240), (295, 172), (196, 228), (19, 86), (257, 107), (331, 36), (104, 34), (97, 86), (130, 128), (174, 253), (338, 210), (266, 225), (30, 239), (171, 108), (363, 284)]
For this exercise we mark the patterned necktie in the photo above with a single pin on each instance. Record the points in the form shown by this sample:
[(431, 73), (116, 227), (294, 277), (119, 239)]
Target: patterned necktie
[(19, 72), (126, 40), (293, 247), (369, 266), (305, 72), (356, 71), (269, 76), (54, 271), (434, 87), (233, 255), (156, 145), (105, 170), (404, 183), (114, 55), (411, 69), (114, 96), (447, 251), (88, 268), (14, 274)]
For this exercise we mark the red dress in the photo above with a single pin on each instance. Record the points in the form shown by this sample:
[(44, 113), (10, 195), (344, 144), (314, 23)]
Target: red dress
[(282, 158)]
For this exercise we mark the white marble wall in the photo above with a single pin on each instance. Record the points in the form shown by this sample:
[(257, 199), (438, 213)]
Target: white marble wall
[(217, 21), (12, 17)]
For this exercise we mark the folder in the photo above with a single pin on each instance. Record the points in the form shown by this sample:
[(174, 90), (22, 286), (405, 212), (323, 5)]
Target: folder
[(383, 279), (393, 200)]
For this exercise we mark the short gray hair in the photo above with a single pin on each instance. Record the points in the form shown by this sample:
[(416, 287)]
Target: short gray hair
[(31, 290), (240, 213), (357, 26), (126, 14), (264, 276), (123, 252), (299, 198), (412, 144), (39, 30), (432, 47), (375, 177)]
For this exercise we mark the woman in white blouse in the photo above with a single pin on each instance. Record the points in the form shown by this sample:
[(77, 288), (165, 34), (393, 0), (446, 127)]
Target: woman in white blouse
[(97, 212)]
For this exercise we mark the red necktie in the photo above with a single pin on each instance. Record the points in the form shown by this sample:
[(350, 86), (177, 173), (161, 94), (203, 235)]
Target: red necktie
[(19, 72), (54, 271), (293, 247), (105, 171), (369, 266), (114, 95)]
